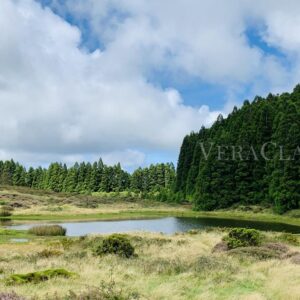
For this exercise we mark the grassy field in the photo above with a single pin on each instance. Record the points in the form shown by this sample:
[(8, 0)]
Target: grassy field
[(42, 205), (181, 266)]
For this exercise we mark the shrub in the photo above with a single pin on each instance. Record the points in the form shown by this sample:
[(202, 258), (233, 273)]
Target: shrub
[(48, 230), (36, 277), (6, 211), (115, 244), (242, 237), (46, 253)]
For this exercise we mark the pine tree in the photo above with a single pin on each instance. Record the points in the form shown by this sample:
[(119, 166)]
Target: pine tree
[(19, 176)]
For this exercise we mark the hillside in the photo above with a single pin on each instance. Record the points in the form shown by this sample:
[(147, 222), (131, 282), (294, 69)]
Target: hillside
[(251, 157)]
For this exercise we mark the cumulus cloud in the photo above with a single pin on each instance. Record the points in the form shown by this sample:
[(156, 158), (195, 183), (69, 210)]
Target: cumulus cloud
[(61, 101), (58, 99)]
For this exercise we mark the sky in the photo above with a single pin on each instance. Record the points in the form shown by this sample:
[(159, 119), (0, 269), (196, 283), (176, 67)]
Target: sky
[(126, 80)]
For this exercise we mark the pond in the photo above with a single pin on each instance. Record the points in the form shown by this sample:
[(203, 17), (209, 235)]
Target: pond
[(168, 225)]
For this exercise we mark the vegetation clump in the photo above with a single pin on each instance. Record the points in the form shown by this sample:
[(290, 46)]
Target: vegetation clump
[(47, 253), (36, 277), (48, 230), (260, 253), (115, 244), (106, 291), (242, 237), (6, 211)]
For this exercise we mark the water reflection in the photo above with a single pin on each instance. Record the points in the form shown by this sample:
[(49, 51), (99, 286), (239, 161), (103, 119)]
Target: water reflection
[(5, 222)]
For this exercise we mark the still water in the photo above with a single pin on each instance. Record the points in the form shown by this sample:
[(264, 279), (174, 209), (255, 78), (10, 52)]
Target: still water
[(168, 225)]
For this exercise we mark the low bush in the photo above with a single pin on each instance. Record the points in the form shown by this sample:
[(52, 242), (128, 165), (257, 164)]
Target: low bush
[(47, 253), (242, 237), (48, 230), (36, 277), (6, 211), (115, 244)]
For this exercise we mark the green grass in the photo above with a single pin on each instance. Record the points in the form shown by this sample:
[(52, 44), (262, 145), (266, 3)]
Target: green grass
[(39, 205), (37, 277), (7, 234)]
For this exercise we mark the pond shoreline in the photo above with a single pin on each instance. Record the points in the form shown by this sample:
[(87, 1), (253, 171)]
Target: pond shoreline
[(164, 224), (152, 214)]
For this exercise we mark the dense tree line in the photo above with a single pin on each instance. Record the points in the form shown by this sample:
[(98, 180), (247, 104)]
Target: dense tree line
[(87, 177), (251, 157)]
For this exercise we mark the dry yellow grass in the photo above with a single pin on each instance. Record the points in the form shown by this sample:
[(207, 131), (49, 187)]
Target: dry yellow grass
[(101, 209), (167, 267)]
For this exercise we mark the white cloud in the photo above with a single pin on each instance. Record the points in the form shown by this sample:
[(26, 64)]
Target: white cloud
[(60, 102), (129, 158)]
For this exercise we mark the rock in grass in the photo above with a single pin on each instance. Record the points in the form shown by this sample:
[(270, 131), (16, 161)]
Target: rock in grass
[(48, 230), (36, 277)]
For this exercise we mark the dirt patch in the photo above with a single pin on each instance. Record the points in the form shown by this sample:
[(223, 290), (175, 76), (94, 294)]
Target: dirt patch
[(260, 253), (277, 247), (220, 247), (296, 259)]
